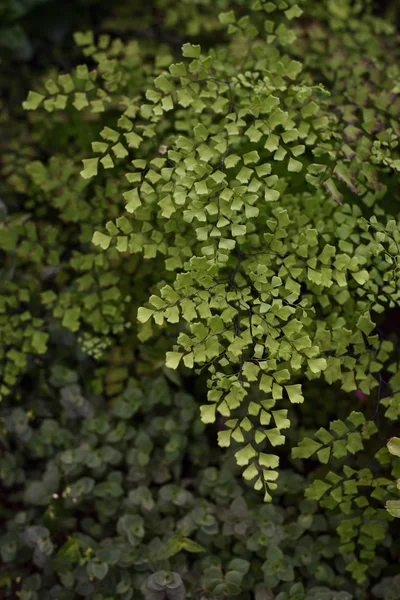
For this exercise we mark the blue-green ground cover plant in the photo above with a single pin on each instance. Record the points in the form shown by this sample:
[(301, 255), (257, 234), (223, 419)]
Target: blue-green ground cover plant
[(199, 380)]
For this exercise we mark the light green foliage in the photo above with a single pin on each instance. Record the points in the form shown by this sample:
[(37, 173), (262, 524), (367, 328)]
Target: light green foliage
[(393, 506), (271, 285), (234, 209)]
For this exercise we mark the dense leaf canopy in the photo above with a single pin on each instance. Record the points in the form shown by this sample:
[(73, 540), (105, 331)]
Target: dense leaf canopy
[(226, 210)]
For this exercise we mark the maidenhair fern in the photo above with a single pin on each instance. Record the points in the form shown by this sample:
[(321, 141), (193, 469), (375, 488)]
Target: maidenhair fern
[(259, 174)]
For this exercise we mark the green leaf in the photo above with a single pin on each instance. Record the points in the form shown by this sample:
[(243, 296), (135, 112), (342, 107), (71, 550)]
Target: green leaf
[(295, 393), (97, 569), (270, 461), (251, 472), (317, 365), (200, 132), (393, 508), (144, 314), (356, 418), (275, 437), (227, 18), (251, 157), (271, 195), (66, 82), (167, 103), (244, 455), (207, 411), (185, 97), (280, 418), (332, 190), (119, 150), (293, 12), (80, 101), (102, 240), (324, 455), (163, 83), (83, 38), (361, 276), (244, 175), (238, 230), (191, 546), (294, 69), (173, 359), (365, 324), (231, 161), (90, 167), (339, 427), (393, 446), (317, 489), (109, 134), (306, 448), (71, 318), (294, 166), (267, 106), (33, 101), (191, 51), (178, 70), (107, 162), (133, 139), (354, 442), (133, 200), (70, 551), (272, 142), (224, 438), (39, 341)]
